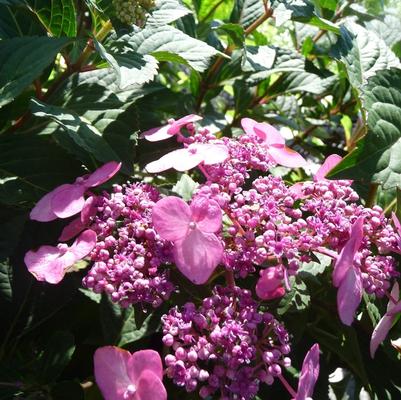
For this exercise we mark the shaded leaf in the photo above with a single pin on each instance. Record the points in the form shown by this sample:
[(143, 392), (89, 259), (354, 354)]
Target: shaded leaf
[(245, 12), (5, 281), (22, 60)]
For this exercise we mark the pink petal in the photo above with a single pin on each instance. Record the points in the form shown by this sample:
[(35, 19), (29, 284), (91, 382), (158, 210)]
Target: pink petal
[(213, 153), (394, 309), (165, 162), (88, 210), (397, 225), (111, 371), (269, 134), (285, 156), (175, 127), (171, 217), (84, 244), (69, 201), (150, 387), (206, 213), (72, 230), (48, 263), (297, 189), (102, 174), (346, 257), (329, 163), (395, 294), (248, 125), (380, 333), (309, 374), (43, 210), (269, 286), (156, 134), (197, 255), (189, 158), (349, 295), (145, 360)]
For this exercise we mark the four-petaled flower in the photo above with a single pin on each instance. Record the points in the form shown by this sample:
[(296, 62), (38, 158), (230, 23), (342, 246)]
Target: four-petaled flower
[(386, 322), (190, 157), (50, 263), (270, 284), (274, 143), (197, 250), (68, 199), (346, 277), (172, 128), (121, 375), (309, 374)]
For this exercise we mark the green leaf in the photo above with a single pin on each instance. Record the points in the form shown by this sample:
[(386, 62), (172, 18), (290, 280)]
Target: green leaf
[(185, 187), (82, 132), (234, 32), (166, 39), (96, 297), (301, 11), (56, 356), (377, 157), (112, 318), (58, 16), (297, 298), (363, 53), (258, 58), (214, 9), (165, 12), (22, 60), (316, 267), (129, 66), (246, 12), (387, 30), (6, 271)]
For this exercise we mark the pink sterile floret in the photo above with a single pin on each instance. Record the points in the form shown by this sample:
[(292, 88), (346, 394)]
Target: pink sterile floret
[(270, 284), (190, 157), (386, 322), (309, 374), (121, 375), (168, 131), (197, 250), (274, 143), (68, 199), (347, 277), (49, 263)]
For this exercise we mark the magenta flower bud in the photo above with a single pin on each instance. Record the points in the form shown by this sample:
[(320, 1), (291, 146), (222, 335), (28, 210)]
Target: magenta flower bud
[(203, 375)]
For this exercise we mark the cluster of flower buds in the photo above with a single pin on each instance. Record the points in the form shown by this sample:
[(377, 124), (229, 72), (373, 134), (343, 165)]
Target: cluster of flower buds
[(133, 11)]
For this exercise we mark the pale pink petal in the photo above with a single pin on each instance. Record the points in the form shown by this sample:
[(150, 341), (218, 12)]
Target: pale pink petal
[(349, 295), (309, 374), (171, 217), (72, 229), (83, 244), (175, 127), (329, 163), (394, 309), (144, 360), (165, 162), (206, 213), (380, 333), (269, 134), (397, 225), (150, 387), (197, 255), (213, 153), (297, 190), (69, 201), (48, 263), (43, 210), (156, 134), (268, 286), (189, 158), (285, 156), (395, 294), (88, 210), (102, 174), (111, 372), (346, 257), (248, 125)]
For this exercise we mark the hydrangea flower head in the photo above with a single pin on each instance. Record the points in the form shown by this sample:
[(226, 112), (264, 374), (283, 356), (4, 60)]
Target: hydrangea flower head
[(197, 250), (121, 375), (172, 128), (309, 374), (190, 157), (68, 199), (274, 143), (49, 263)]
